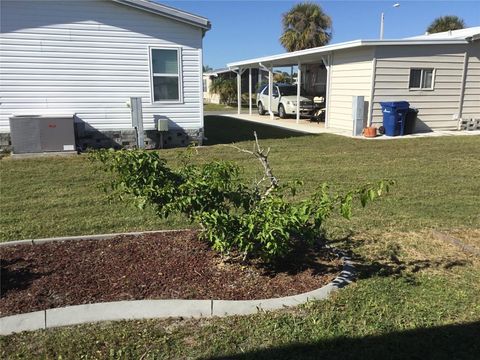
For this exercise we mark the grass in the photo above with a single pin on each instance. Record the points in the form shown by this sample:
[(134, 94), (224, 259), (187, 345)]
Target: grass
[(416, 296), (437, 184)]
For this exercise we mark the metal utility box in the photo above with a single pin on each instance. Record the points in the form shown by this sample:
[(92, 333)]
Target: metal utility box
[(162, 125), (358, 111), (42, 133)]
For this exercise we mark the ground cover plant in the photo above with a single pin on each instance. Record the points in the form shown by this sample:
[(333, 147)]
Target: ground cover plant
[(416, 297)]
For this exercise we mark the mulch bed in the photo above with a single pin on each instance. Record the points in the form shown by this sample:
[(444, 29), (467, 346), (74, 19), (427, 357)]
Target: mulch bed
[(173, 265)]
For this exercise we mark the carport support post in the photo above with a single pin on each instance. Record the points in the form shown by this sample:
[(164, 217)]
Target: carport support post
[(250, 91), (299, 86), (239, 91), (270, 91)]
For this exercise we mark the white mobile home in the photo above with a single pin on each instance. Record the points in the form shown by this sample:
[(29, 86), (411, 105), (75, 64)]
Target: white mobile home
[(439, 74), (87, 58)]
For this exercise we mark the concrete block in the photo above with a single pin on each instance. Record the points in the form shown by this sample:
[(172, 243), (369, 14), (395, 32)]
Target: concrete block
[(127, 310), (22, 322)]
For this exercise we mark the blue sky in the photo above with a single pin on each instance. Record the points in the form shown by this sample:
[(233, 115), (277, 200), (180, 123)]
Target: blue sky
[(248, 29)]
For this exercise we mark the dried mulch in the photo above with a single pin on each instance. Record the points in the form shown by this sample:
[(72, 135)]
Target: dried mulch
[(173, 265)]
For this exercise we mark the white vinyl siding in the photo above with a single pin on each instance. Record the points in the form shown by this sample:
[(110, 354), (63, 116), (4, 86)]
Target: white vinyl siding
[(89, 58), (438, 107), (351, 75)]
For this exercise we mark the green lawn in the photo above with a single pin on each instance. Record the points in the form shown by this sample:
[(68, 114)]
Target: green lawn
[(416, 296)]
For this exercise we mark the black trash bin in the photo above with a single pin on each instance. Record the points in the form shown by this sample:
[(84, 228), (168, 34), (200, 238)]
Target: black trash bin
[(410, 121)]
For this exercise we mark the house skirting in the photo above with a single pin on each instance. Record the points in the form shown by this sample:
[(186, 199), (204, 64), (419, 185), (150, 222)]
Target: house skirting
[(124, 138)]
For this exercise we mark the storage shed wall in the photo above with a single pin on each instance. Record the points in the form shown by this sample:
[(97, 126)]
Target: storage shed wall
[(351, 75), (439, 107), (89, 58), (471, 99)]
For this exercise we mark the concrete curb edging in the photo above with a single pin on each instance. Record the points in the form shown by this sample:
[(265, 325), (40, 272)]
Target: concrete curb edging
[(148, 309), (85, 237)]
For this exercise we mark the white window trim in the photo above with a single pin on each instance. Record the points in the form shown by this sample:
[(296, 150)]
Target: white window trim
[(152, 74), (421, 79)]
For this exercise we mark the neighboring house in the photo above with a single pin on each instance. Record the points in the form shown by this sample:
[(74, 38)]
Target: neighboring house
[(258, 77), (87, 58), (438, 74)]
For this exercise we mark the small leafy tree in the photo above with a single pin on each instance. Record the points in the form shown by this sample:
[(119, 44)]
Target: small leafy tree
[(261, 221), (445, 23), (225, 88)]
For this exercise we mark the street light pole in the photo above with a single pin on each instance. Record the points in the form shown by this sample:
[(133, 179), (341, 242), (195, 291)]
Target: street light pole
[(382, 21)]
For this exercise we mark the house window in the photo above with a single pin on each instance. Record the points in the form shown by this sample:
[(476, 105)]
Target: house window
[(166, 79), (421, 79), (205, 88)]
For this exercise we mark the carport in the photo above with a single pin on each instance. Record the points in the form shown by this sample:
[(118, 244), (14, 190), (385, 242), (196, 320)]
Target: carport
[(301, 59), (361, 74)]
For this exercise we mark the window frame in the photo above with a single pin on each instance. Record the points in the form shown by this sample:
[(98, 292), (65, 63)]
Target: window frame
[(422, 72), (179, 74)]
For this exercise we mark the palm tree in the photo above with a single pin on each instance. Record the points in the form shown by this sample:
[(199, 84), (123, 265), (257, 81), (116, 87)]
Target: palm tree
[(225, 88), (445, 23), (305, 26)]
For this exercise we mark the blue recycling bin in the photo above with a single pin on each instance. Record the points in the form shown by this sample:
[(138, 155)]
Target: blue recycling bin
[(394, 113)]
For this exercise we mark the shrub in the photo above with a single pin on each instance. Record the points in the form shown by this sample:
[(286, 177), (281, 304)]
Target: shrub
[(261, 221), (226, 89)]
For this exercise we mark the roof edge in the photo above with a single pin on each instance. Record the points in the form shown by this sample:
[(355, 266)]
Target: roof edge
[(345, 45), (169, 12)]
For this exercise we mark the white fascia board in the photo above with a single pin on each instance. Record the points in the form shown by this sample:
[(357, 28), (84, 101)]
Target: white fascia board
[(297, 55), (167, 11)]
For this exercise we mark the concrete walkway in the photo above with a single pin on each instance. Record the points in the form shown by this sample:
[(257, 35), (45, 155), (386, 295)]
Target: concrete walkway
[(304, 126), (308, 127)]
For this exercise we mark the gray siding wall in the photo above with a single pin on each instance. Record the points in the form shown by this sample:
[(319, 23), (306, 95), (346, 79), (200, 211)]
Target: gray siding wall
[(88, 58), (438, 108), (351, 75), (471, 100)]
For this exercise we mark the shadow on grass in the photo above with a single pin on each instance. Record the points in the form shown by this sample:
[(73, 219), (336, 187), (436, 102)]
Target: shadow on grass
[(227, 130), (390, 264), (314, 258), (460, 342)]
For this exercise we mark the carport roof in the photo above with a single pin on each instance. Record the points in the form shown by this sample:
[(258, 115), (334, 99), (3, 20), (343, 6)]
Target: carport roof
[(306, 56)]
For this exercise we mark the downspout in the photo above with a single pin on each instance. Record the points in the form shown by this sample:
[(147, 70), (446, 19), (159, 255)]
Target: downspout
[(462, 86)]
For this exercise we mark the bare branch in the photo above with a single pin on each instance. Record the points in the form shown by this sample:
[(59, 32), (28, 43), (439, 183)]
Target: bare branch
[(262, 156)]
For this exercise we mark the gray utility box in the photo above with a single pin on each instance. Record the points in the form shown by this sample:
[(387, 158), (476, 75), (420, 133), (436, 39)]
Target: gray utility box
[(42, 133)]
